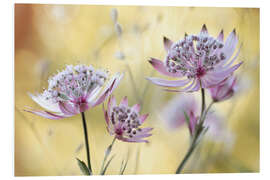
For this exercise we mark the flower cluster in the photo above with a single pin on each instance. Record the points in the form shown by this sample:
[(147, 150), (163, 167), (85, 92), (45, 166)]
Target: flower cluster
[(199, 60), (124, 122), (74, 90)]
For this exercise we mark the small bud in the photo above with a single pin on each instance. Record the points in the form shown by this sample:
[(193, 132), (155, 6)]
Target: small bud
[(118, 29), (114, 15)]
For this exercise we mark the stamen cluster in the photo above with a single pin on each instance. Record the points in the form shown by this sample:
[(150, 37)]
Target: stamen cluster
[(194, 55), (74, 82)]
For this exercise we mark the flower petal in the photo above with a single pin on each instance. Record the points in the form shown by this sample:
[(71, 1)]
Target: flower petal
[(167, 83), (230, 45), (48, 115), (167, 43), (161, 68), (108, 90), (68, 108), (204, 30), (142, 118), (136, 108), (124, 101), (225, 73), (221, 36), (46, 104)]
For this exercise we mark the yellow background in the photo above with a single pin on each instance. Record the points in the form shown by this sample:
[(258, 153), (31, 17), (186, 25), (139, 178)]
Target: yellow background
[(47, 37)]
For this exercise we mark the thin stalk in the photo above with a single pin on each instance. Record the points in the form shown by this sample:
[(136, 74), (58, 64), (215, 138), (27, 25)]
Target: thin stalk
[(197, 134), (107, 153), (203, 101), (86, 142), (136, 93)]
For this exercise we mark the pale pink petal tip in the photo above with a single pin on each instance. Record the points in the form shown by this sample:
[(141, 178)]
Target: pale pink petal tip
[(124, 101), (136, 108), (161, 68), (204, 29), (167, 43)]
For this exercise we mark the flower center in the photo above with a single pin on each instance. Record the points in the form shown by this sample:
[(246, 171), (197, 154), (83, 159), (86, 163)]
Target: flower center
[(200, 72), (74, 84), (195, 55), (126, 120)]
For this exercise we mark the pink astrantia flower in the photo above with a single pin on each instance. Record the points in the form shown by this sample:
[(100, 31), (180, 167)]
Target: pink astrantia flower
[(124, 122), (174, 117), (74, 90), (199, 60), (224, 90), (174, 112)]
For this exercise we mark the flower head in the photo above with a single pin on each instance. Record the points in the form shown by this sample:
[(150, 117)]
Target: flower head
[(174, 115), (199, 60), (124, 122), (74, 90), (224, 90)]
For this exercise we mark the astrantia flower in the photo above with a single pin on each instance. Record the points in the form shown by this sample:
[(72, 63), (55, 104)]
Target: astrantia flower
[(223, 90), (173, 113), (174, 117), (74, 90), (199, 60), (124, 122)]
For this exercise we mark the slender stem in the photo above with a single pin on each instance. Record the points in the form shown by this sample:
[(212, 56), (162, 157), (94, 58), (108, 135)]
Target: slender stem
[(203, 101), (107, 153), (86, 142), (190, 150), (197, 134), (136, 93)]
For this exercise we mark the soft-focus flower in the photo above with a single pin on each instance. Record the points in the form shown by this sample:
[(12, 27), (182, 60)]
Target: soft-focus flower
[(74, 90), (124, 122), (174, 112), (224, 90), (174, 117), (199, 60)]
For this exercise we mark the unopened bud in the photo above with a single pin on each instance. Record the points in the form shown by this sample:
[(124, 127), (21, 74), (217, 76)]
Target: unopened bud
[(114, 15)]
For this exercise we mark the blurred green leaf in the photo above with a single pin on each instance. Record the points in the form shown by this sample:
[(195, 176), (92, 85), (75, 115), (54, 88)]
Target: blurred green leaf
[(106, 166), (84, 169)]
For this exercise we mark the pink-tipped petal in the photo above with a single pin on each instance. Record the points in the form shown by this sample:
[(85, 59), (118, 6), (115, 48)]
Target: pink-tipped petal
[(167, 43), (46, 104), (225, 73), (124, 101), (161, 68), (204, 30), (136, 108), (47, 114), (68, 108), (167, 83), (131, 140), (186, 89), (230, 45), (221, 36), (234, 58), (111, 103), (142, 118), (145, 130), (108, 90)]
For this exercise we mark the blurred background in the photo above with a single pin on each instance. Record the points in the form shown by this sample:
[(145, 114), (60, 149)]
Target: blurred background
[(122, 39)]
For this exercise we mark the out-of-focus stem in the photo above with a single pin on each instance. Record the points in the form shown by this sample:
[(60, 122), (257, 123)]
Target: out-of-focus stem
[(107, 153), (86, 142), (136, 93)]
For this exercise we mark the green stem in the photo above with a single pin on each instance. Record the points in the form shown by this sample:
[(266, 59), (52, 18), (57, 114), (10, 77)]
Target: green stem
[(203, 101), (188, 154), (197, 134), (107, 153), (86, 142)]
